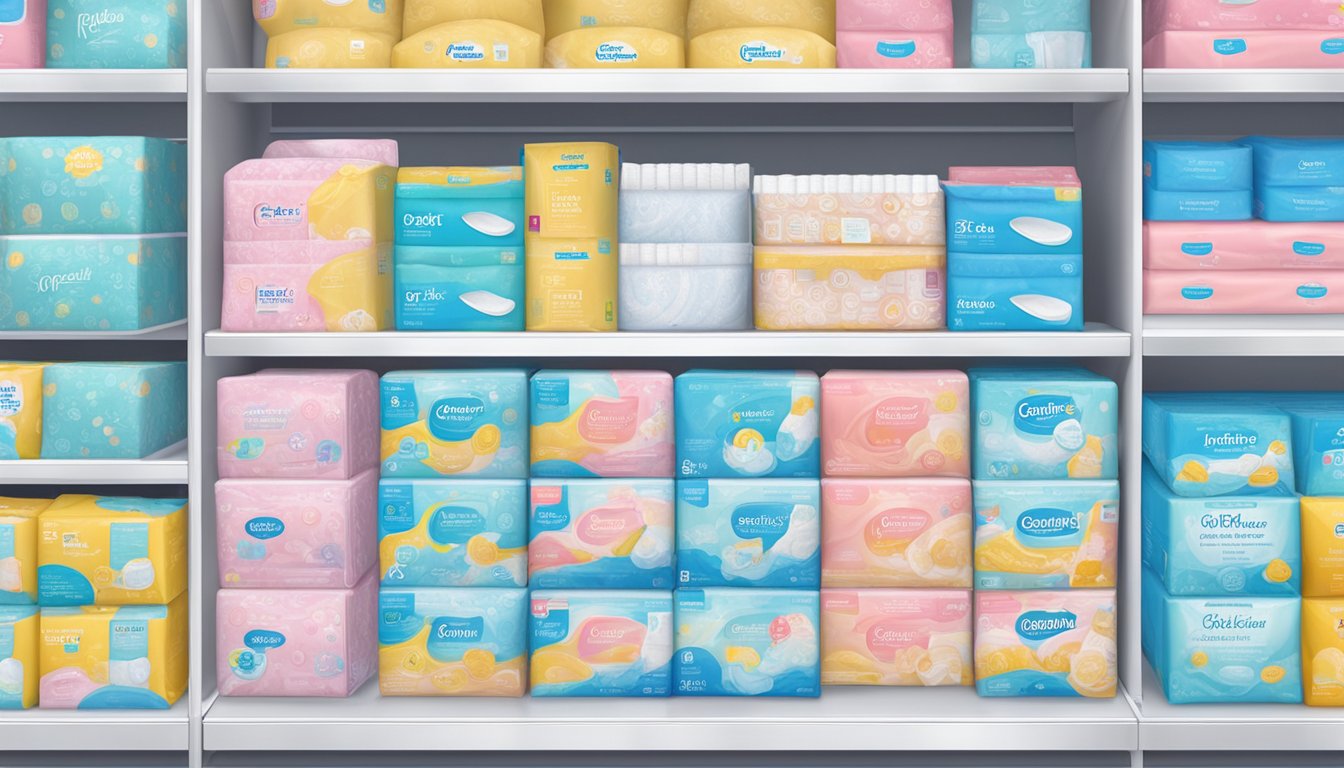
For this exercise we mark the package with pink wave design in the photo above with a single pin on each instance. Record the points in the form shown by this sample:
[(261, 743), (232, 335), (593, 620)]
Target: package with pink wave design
[(304, 642), (1226, 245), (896, 533), (895, 424), (601, 534), (1243, 292), (23, 34), (303, 287), (309, 198), (896, 637), (1235, 15), (602, 424), (298, 424), (1257, 49), (296, 534), (882, 34), (383, 151)]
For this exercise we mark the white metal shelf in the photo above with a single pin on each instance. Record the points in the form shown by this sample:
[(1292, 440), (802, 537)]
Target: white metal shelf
[(93, 85), (671, 85), (101, 730), (1242, 85), (849, 719), (1243, 335), (168, 467), (167, 332)]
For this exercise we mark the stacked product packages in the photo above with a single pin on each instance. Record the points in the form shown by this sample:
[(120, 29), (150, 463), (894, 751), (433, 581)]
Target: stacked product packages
[(23, 37), (754, 34), (319, 34), (295, 525), (850, 253), (470, 34), (878, 34), (1254, 226), (686, 249), (1047, 507), (896, 528), (93, 231), (614, 33), (1202, 34), (1029, 34), (92, 34), (1015, 249)]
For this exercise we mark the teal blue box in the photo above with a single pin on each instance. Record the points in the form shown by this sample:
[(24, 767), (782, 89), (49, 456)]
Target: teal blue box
[(92, 185), (1218, 444), (112, 410), (89, 283), (117, 34)]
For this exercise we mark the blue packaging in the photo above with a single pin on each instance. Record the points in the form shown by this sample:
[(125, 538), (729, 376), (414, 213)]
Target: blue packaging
[(1018, 34), (112, 410), (1047, 534), (1044, 424), (1318, 440), (1014, 292), (1208, 444), (747, 642), (452, 533), (452, 642), (458, 288), (460, 207), (748, 424), (460, 423), (601, 534), (602, 643), (1226, 546), (116, 34), (749, 533), (1299, 203), (1002, 220), (1160, 205), (1297, 162), (1197, 166)]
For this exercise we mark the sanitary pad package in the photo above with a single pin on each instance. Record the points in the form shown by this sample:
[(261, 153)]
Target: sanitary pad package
[(102, 657), (470, 43), (19, 656), (455, 423), (680, 203), (1247, 245), (452, 533), (420, 15), (1299, 179), (21, 410), (686, 287), (460, 206), (1221, 205), (613, 47), (596, 643), (1197, 166), (892, 288), (383, 151), (115, 34), (112, 410), (601, 534), (749, 533), (299, 642), (896, 533), (896, 637), (602, 424), (1044, 424), (564, 16), (298, 424), (1046, 643), (1323, 652), (747, 642), (748, 424), (276, 17), (815, 16), (1322, 547), (1318, 440), (1046, 535), (895, 424), (1243, 292), (882, 34), (452, 642), (1248, 49), (23, 34), (330, 48), (18, 550), (296, 534), (1305, 204), (760, 47), (1207, 444), (1018, 34), (849, 210)]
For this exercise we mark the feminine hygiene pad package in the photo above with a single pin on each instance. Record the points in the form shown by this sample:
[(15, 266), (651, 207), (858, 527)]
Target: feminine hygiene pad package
[(749, 533), (1046, 535), (18, 549), (761, 33), (1196, 181), (896, 637), (615, 33), (115, 34), (1036, 643), (1243, 245), (112, 410), (849, 210), (882, 34), (602, 424), (457, 423), (1244, 292), (21, 410), (601, 643), (23, 35), (1209, 34), (452, 642), (473, 43), (601, 534), (114, 657), (913, 532), (748, 424), (1322, 547), (20, 660), (1026, 34), (1323, 652), (452, 533), (895, 424), (747, 642), (1212, 444), (318, 33), (1299, 179)]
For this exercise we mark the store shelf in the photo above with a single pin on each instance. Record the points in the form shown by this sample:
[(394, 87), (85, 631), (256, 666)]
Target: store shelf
[(44, 730), (850, 719), (1243, 335), (167, 332), (110, 85), (1242, 85), (169, 467), (1097, 341), (678, 85)]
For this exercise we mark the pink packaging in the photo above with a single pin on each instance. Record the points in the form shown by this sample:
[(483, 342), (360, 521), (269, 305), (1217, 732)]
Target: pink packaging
[(856, 49), (309, 199), (23, 35), (602, 424), (1243, 245), (895, 424), (306, 286), (297, 534), (378, 150), (1263, 49), (889, 15), (295, 424), (1215, 15), (896, 637), (301, 642), (1246, 292), (1016, 175), (896, 533)]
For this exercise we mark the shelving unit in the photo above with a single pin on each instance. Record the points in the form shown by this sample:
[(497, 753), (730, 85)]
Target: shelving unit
[(47, 730), (168, 467), (1242, 86), (93, 85), (1238, 336)]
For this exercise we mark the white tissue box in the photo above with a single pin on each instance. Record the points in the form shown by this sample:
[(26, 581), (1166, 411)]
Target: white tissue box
[(686, 287)]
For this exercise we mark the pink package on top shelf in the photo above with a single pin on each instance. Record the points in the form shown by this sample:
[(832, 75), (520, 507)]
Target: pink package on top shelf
[(298, 424), (23, 34), (886, 34), (1238, 15), (1015, 175), (895, 424), (1227, 245), (383, 151), (309, 198)]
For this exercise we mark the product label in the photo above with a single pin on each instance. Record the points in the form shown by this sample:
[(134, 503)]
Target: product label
[(1041, 414), (759, 50), (895, 420), (1048, 523), (615, 52), (268, 216), (54, 283), (1035, 626), (271, 299), (454, 525), (896, 49), (887, 533), (11, 397), (454, 419), (766, 521), (609, 422), (264, 528), (465, 51), (886, 638), (83, 162)]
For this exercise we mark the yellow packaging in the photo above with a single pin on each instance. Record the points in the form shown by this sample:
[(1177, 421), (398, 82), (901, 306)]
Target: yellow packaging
[(423, 14), (1322, 547), (330, 48), (1323, 652), (480, 43), (277, 17), (21, 410), (572, 190), (18, 550), (760, 48), (111, 551), (571, 285), (106, 657), (564, 16), (20, 662), (815, 16), (629, 47)]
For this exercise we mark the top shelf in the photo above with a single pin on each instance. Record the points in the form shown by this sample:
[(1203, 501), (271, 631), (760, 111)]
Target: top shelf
[(93, 85), (1241, 85)]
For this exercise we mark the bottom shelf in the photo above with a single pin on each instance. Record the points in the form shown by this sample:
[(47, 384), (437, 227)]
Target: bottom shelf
[(103, 730)]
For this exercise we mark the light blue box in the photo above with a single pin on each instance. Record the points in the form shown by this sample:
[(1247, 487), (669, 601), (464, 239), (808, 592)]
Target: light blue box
[(748, 424), (1209, 444), (1044, 424), (1223, 649), (1002, 220), (461, 207), (465, 423), (89, 283), (747, 642), (1045, 517), (92, 185), (749, 533), (1014, 292), (428, 531), (116, 34), (1299, 204), (601, 534), (1017, 34), (1318, 440), (440, 627), (1197, 166), (622, 638), (459, 288), (1297, 162), (112, 410), (1160, 205)]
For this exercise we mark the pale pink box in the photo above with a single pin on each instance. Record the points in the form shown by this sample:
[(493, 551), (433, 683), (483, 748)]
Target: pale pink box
[(1015, 175), (383, 151), (896, 533), (299, 286), (1251, 49), (885, 34), (895, 637), (299, 642), (1224, 15), (309, 198), (1246, 292), (895, 424), (1240, 245), (23, 38), (297, 424), (297, 534)]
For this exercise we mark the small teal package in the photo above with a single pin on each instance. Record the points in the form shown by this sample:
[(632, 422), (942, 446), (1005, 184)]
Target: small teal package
[(1298, 162), (749, 533), (748, 424), (459, 288), (458, 423), (1209, 444), (116, 34), (1046, 534), (601, 534), (452, 642), (1299, 204), (1197, 166), (1014, 292), (112, 410), (460, 207), (602, 643), (747, 642), (1029, 34), (452, 533), (1005, 220)]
